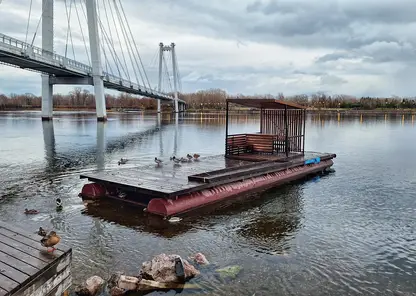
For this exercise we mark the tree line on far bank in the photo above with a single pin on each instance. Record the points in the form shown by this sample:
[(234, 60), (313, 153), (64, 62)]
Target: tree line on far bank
[(212, 99)]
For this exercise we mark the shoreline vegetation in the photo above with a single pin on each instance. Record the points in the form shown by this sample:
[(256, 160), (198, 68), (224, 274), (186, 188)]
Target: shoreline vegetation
[(211, 101)]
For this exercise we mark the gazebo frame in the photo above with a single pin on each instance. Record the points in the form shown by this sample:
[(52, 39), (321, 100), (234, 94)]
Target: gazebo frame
[(282, 131)]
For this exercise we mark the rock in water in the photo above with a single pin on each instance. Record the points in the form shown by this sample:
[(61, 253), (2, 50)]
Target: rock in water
[(179, 270), (91, 287), (200, 259), (229, 271), (128, 283), (119, 283), (162, 269), (190, 270)]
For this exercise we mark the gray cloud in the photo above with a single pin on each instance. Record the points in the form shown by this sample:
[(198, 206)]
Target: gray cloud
[(298, 46), (332, 80)]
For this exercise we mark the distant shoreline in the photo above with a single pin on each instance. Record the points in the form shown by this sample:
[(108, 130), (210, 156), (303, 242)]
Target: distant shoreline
[(326, 111)]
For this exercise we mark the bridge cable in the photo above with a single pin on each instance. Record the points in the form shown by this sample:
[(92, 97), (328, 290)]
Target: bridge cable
[(69, 33), (37, 27), (106, 39), (112, 50), (131, 51), (118, 37), (134, 42), (111, 35), (28, 20), (82, 33), (167, 71), (178, 75), (129, 46), (106, 62)]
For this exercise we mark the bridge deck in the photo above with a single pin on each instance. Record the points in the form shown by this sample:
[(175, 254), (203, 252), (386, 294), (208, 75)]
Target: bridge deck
[(169, 180), (26, 268)]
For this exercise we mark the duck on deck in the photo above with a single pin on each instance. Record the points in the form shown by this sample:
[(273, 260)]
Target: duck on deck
[(252, 161)]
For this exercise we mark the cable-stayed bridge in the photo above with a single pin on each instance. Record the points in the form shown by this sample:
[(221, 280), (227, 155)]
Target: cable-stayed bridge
[(112, 57)]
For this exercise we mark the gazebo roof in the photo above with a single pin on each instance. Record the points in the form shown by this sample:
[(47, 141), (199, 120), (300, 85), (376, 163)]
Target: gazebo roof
[(265, 103)]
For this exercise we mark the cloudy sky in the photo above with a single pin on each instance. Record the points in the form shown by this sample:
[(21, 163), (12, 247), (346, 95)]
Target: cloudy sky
[(364, 47)]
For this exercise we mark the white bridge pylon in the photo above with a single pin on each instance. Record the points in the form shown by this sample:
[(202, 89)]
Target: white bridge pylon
[(95, 74)]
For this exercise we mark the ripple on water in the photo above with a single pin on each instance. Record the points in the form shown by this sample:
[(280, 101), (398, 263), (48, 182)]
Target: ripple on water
[(350, 233)]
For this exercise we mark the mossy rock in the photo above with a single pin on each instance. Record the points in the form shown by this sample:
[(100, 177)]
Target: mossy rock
[(229, 271)]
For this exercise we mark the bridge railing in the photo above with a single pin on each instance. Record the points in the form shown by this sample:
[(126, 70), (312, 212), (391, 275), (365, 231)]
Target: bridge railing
[(129, 84), (21, 48), (38, 54)]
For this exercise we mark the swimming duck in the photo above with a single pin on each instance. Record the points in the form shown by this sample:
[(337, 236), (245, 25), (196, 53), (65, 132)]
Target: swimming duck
[(175, 160), (196, 156), (31, 212), (50, 240), (189, 156), (122, 161), (158, 161), (41, 232), (58, 203)]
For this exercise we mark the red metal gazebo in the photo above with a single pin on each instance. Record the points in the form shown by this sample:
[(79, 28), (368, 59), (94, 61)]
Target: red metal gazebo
[(281, 135)]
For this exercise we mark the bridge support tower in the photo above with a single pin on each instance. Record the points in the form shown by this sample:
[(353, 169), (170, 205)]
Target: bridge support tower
[(47, 46), (170, 48), (97, 70)]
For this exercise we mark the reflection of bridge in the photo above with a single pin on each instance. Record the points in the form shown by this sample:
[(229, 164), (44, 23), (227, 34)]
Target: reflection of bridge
[(57, 163), (58, 69)]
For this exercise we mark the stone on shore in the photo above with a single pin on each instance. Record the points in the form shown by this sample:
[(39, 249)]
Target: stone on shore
[(91, 287), (162, 269)]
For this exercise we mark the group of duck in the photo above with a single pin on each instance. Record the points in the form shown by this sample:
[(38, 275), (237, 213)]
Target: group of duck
[(177, 161), (49, 240), (34, 212)]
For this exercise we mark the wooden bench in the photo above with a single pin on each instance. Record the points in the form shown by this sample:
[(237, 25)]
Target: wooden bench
[(261, 143), (237, 144)]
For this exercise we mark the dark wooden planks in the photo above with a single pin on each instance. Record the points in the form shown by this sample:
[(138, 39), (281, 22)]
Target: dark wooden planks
[(8, 284), (3, 292), (12, 272), (24, 262), (28, 242), (23, 235), (28, 258), (22, 266)]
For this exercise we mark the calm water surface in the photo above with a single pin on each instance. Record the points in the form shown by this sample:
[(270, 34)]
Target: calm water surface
[(351, 232)]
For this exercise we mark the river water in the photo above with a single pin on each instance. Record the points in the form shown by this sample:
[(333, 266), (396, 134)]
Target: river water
[(351, 232)]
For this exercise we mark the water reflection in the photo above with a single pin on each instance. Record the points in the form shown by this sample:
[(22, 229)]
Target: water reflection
[(101, 145), (351, 233), (276, 220), (271, 218), (49, 144), (134, 217), (340, 118)]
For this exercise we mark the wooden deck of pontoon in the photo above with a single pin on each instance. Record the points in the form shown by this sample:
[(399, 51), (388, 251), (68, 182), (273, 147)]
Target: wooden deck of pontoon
[(27, 269), (170, 181)]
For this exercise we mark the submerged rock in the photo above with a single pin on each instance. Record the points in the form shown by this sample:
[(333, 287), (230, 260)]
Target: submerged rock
[(229, 271), (91, 287), (168, 269), (200, 259)]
